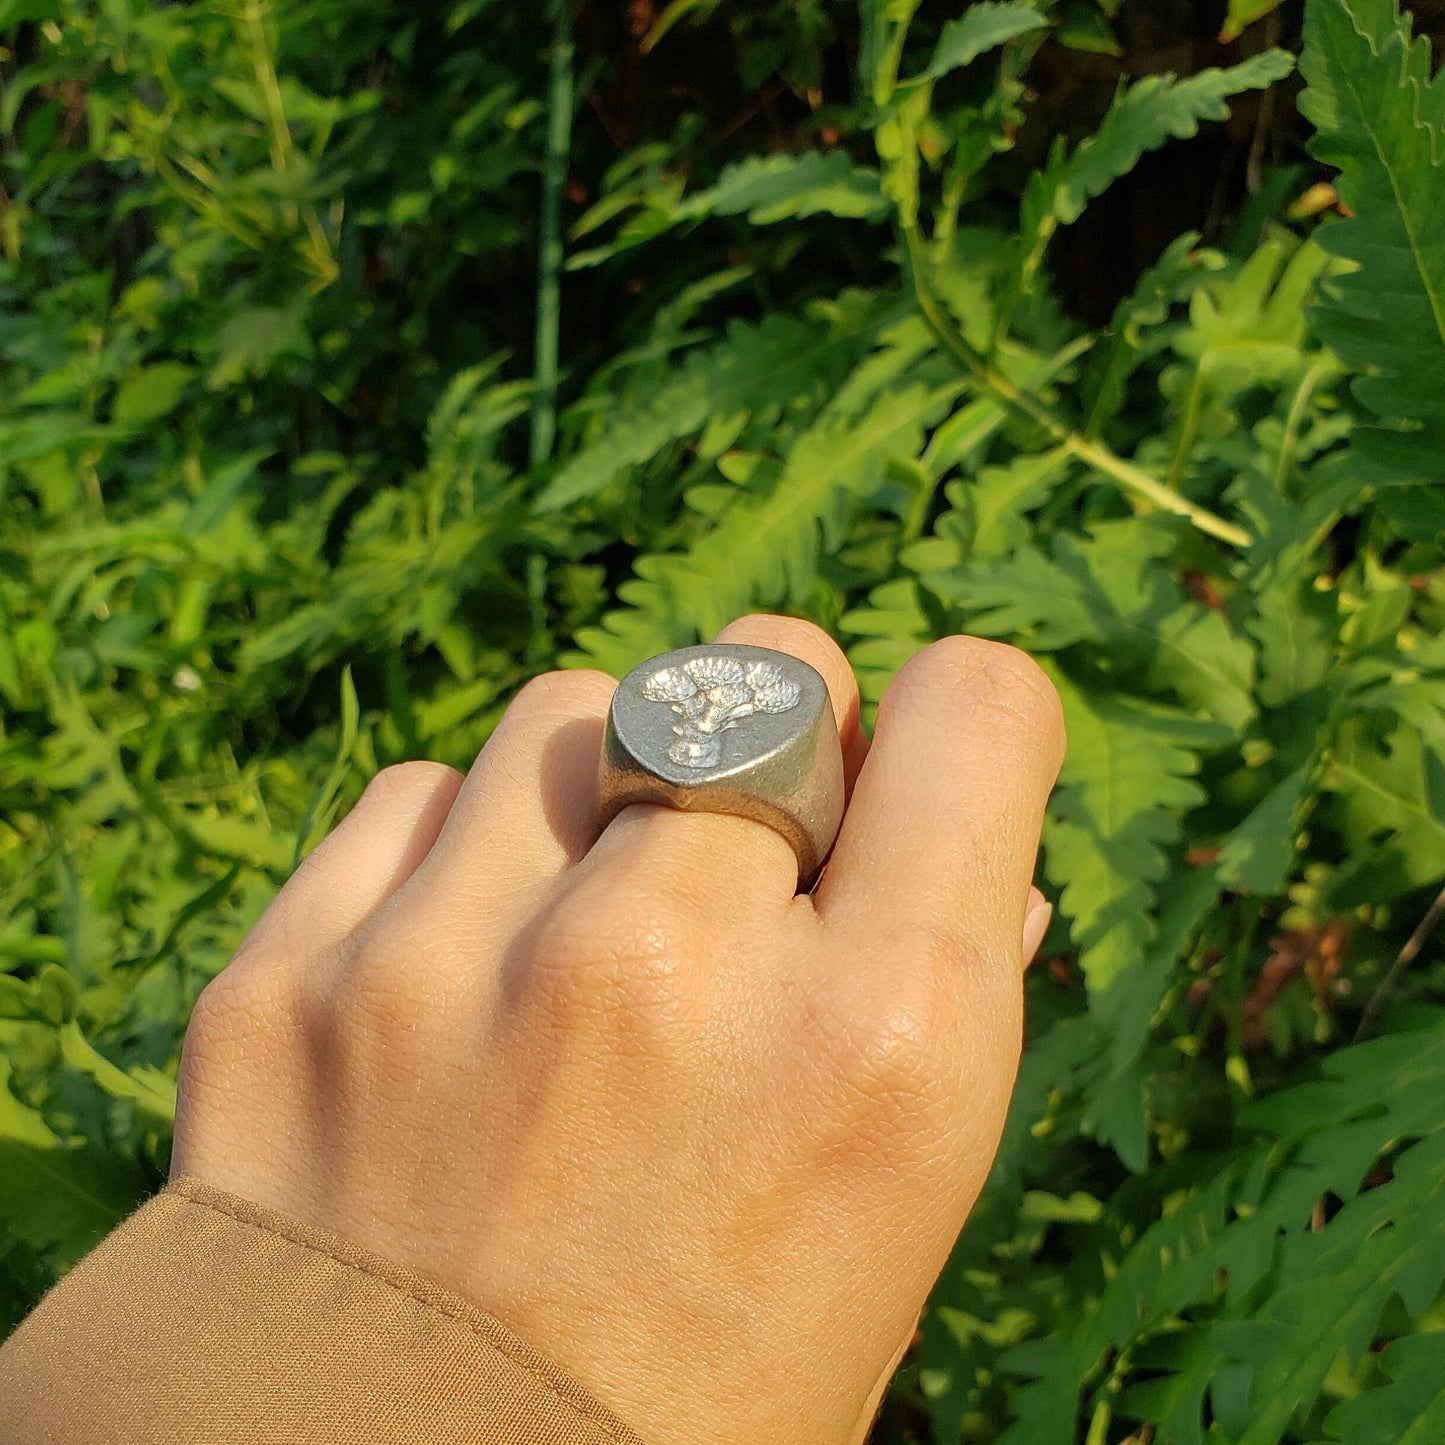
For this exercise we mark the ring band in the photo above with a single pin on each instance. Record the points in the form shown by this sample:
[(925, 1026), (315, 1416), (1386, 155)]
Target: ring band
[(729, 728)]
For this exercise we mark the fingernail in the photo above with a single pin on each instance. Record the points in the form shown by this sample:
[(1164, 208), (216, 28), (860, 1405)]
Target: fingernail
[(1036, 924)]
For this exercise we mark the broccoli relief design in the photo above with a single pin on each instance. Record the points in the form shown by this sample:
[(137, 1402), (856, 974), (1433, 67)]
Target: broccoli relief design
[(713, 694)]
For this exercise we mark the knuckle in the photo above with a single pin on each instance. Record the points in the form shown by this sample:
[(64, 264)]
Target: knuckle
[(564, 691), (360, 1016), (368, 989), (883, 1042), (996, 675), (947, 949), (319, 1006), (416, 775), (235, 1013)]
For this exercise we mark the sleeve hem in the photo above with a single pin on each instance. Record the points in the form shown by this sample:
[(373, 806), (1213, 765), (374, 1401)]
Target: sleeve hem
[(414, 1286)]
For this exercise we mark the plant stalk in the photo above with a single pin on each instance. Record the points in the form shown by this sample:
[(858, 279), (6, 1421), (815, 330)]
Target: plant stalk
[(1093, 453), (1405, 958), (549, 261)]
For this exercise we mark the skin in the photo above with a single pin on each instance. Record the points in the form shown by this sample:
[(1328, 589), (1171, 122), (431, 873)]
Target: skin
[(704, 1143)]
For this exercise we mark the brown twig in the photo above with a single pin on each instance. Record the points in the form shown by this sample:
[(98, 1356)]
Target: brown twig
[(1407, 956)]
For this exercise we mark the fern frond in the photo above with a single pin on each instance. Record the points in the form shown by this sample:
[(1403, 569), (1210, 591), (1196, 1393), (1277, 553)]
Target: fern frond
[(1152, 111), (1386, 1243), (982, 27), (1108, 587), (1380, 122), (765, 189), (763, 551), (1386, 780), (1241, 1250), (1410, 1409), (890, 629), (1127, 782), (770, 365)]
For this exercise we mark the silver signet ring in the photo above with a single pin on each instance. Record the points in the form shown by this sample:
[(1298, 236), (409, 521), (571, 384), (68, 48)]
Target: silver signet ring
[(728, 728)]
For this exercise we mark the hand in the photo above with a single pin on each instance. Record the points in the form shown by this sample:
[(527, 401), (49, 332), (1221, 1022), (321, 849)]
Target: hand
[(704, 1143)]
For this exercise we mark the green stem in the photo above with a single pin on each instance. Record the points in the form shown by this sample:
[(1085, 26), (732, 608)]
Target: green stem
[(549, 282), (1298, 407), (277, 129), (1088, 450), (918, 512), (1189, 426), (885, 80)]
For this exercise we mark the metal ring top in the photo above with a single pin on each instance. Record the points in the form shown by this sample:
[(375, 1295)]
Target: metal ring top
[(729, 728)]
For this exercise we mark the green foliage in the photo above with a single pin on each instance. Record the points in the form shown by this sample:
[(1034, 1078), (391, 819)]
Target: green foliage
[(1379, 118), (269, 521), (1142, 118)]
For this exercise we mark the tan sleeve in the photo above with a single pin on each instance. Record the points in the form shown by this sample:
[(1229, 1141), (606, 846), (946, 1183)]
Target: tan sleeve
[(204, 1318)]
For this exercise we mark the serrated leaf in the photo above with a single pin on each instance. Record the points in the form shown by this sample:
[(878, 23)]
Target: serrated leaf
[(981, 28), (1295, 626), (766, 189), (1220, 1242), (1384, 1243), (1392, 787), (1116, 1092), (1126, 783), (1410, 1409), (1107, 587), (753, 366), (252, 341), (763, 552), (1151, 112), (1258, 854), (1380, 121)]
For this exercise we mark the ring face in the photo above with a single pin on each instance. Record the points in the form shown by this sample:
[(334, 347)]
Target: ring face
[(729, 728), (713, 694)]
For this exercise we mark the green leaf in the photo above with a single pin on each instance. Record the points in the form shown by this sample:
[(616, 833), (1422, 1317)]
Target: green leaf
[(252, 341), (1295, 626), (763, 551), (1385, 1243), (59, 1198), (1410, 1409), (981, 28), (317, 820), (1380, 120), (1238, 1249), (151, 393), (1126, 783), (1154, 110), (1250, 328), (1108, 587), (1087, 29), (1258, 854), (1242, 14), (768, 189), (1392, 787), (769, 365), (988, 511), (17, 12)]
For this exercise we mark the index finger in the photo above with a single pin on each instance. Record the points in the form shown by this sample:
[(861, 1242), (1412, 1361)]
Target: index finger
[(943, 826)]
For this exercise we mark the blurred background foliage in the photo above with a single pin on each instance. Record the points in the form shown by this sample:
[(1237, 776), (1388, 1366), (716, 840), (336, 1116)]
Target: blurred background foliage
[(358, 362)]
